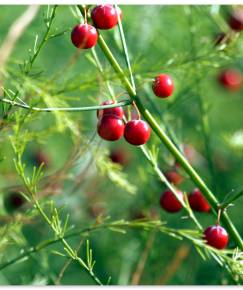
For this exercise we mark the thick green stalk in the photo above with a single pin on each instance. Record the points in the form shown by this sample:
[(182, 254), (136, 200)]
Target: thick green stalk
[(169, 144)]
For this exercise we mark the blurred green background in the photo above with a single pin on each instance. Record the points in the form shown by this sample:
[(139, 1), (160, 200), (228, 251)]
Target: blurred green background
[(178, 40)]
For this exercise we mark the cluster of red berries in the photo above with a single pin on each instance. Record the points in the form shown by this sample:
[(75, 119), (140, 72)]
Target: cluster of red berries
[(104, 17), (136, 132), (171, 204), (111, 127), (215, 236)]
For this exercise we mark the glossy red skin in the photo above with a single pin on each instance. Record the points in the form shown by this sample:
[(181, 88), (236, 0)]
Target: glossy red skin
[(163, 86), (216, 236), (236, 20), (174, 177), (110, 128), (118, 111), (137, 132), (198, 202), (84, 36), (105, 16), (169, 202), (231, 79)]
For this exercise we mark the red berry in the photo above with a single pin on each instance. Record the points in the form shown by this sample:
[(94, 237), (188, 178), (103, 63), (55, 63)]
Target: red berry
[(169, 202), (41, 158), (231, 79), (84, 36), (110, 128), (105, 16), (163, 86), (236, 20), (137, 132), (198, 202), (118, 111), (119, 156), (174, 177), (13, 201), (216, 236)]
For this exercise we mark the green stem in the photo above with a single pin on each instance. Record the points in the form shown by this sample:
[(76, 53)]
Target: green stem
[(203, 111), (125, 48), (169, 144), (230, 199), (44, 39), (72, 109)]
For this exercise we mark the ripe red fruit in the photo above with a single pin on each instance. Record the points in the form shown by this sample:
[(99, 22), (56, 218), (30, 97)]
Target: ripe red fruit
[(84, 36), (137, 132), (174, 177), (236, 20), (216, 236), (163, 86), (169, 202), (110, 128), (198, 202), (105, 16), (231, 79), (118, 111)]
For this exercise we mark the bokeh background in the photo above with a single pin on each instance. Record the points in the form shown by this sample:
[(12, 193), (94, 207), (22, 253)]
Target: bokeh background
[(179, 40)]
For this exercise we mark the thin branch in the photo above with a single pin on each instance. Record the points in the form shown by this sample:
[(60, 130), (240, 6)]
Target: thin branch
[(173, 266), (120, 26), (141, 264), (230, 199), (120, 224), (66, 265), (71, 109)]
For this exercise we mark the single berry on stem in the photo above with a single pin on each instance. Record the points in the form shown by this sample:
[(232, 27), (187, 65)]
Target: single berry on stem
[(118, 111), (236, 20), (198, 202), (163, 86), (216, 236), (84, 36), (110, 128), (137, 132), (105, 16), (169, 202), (174, 177)]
